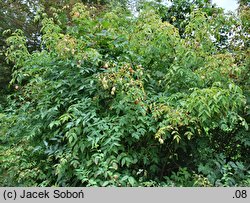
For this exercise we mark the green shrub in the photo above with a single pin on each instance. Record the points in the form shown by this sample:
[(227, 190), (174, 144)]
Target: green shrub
[(116, 100)]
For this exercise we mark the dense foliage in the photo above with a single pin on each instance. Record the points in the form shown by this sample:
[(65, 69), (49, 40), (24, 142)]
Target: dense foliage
[(22, 14), (112, 99)]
